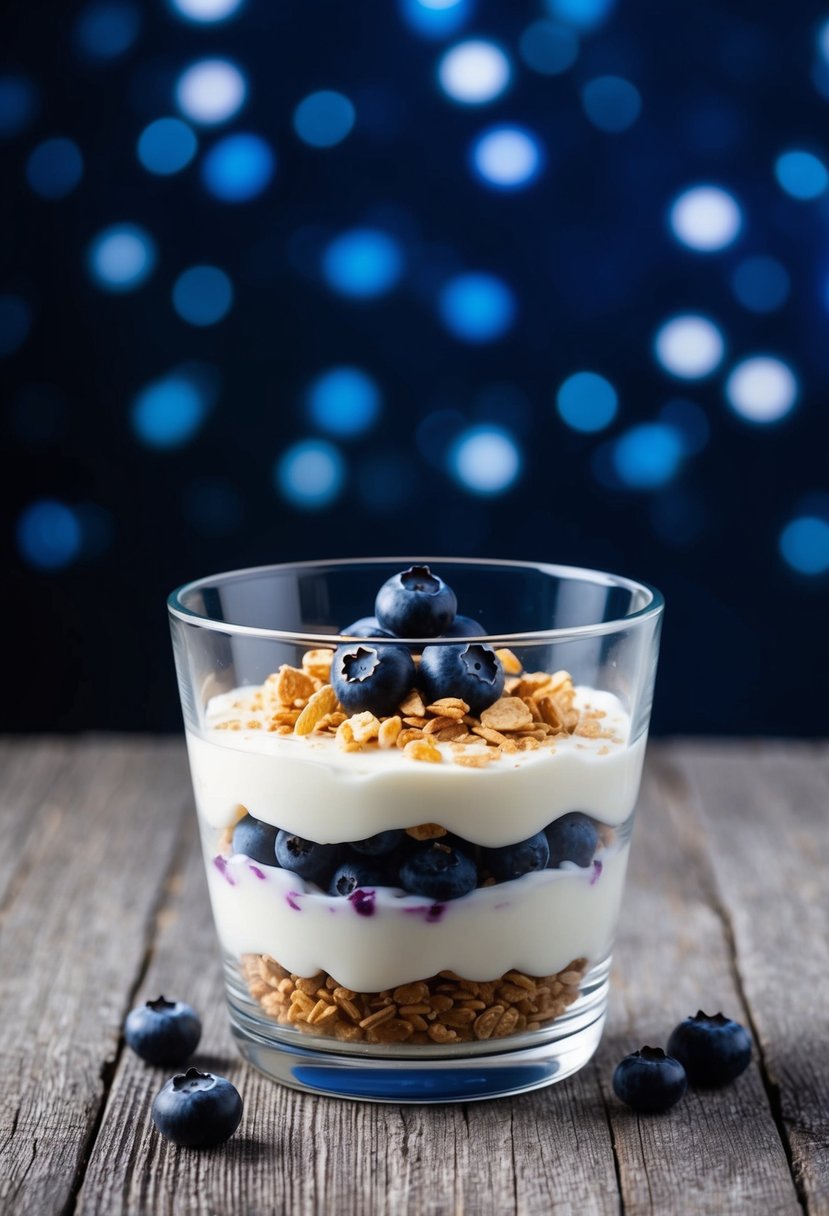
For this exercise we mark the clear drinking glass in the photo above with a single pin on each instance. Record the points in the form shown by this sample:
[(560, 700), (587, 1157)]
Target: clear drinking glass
[(384, 990)]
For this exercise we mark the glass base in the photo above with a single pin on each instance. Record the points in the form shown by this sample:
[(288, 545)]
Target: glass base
[(397, 1074)]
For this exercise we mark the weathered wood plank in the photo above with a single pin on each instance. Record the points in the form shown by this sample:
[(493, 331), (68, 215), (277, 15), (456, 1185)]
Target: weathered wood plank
[(75, 924), (31, 771), (549, 1151), (717, 1151), (764, 809), (307, 1155)]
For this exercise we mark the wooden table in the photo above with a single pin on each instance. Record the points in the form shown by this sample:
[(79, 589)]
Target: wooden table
[(103, 904)]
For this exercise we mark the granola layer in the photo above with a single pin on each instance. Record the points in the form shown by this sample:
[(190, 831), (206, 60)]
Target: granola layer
[(444, 1009)]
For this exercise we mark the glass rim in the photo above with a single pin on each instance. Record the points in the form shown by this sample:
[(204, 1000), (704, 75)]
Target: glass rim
[(651, 609)]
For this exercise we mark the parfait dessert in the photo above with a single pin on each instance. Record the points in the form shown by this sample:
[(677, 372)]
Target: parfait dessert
[(418, 844)]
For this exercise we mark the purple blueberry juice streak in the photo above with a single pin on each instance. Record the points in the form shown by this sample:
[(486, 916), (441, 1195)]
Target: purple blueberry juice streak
[(256, 871), (362, 902), (597, 873), (222, 866), (291, 899)]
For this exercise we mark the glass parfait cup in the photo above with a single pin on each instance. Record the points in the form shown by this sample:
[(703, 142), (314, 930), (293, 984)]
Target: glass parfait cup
[(381, 986)]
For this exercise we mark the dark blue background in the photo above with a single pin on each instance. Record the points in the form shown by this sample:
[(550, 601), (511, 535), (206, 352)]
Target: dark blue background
[(104, 515)]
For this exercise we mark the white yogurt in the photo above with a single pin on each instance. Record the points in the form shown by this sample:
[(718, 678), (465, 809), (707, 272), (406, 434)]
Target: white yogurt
[(311, 787), (537, 924)]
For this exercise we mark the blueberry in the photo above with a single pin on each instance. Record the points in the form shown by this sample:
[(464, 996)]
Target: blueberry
[(573, 837), (310, 860), (197, 1109), (439, 872), (163, 1032), (379, 845), (353, 874), (255, 839), (464, 627), (712, 1049), (366, 627), (472, 672), (375, 678), (649, 1081), (415, 604), (513, 860)]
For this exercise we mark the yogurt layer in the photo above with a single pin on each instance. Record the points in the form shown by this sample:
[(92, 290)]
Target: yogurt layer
[(310, 787), (379, 939)]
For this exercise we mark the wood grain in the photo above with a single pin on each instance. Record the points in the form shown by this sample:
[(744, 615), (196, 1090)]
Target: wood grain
[(765, 813), (102, 889), (716, 1151), (96, 831)]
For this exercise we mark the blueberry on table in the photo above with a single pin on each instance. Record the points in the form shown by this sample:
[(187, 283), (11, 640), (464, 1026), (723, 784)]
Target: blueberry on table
[(197, 1109), (439, 872), (366, 627), (649, 1081), (464, 627), (374, 678), (514, 860), (255, 839), (380, 844), (415, 604), (472, 672), (309, 860), (354, 875), (162, 1031), (713, 1049), (573, 837)]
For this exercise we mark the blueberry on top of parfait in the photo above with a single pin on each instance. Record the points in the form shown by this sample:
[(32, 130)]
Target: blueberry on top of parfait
[(472, 672), (415, 603), (373, 678)]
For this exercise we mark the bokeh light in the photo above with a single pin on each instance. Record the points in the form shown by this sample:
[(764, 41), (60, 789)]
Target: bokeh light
[(549, 48), (611, 103), (689, 346), (202, 295), (107, 29), (485, 460), (477, 307), (362, 263), (435, 19), (761, 284), (18, 103), (705, 218), (507, 157), (761, 389), (474, 72), (54, 168), (48, 535), (168, 412), (211, 91), (238, 168), (647, 456), (206, 12), (801, 174), (121, 257), (804, 544), (343, 401), (166, 146), (587, 402), (584, 15), (15, 323), (324, 119), (310, 474)]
